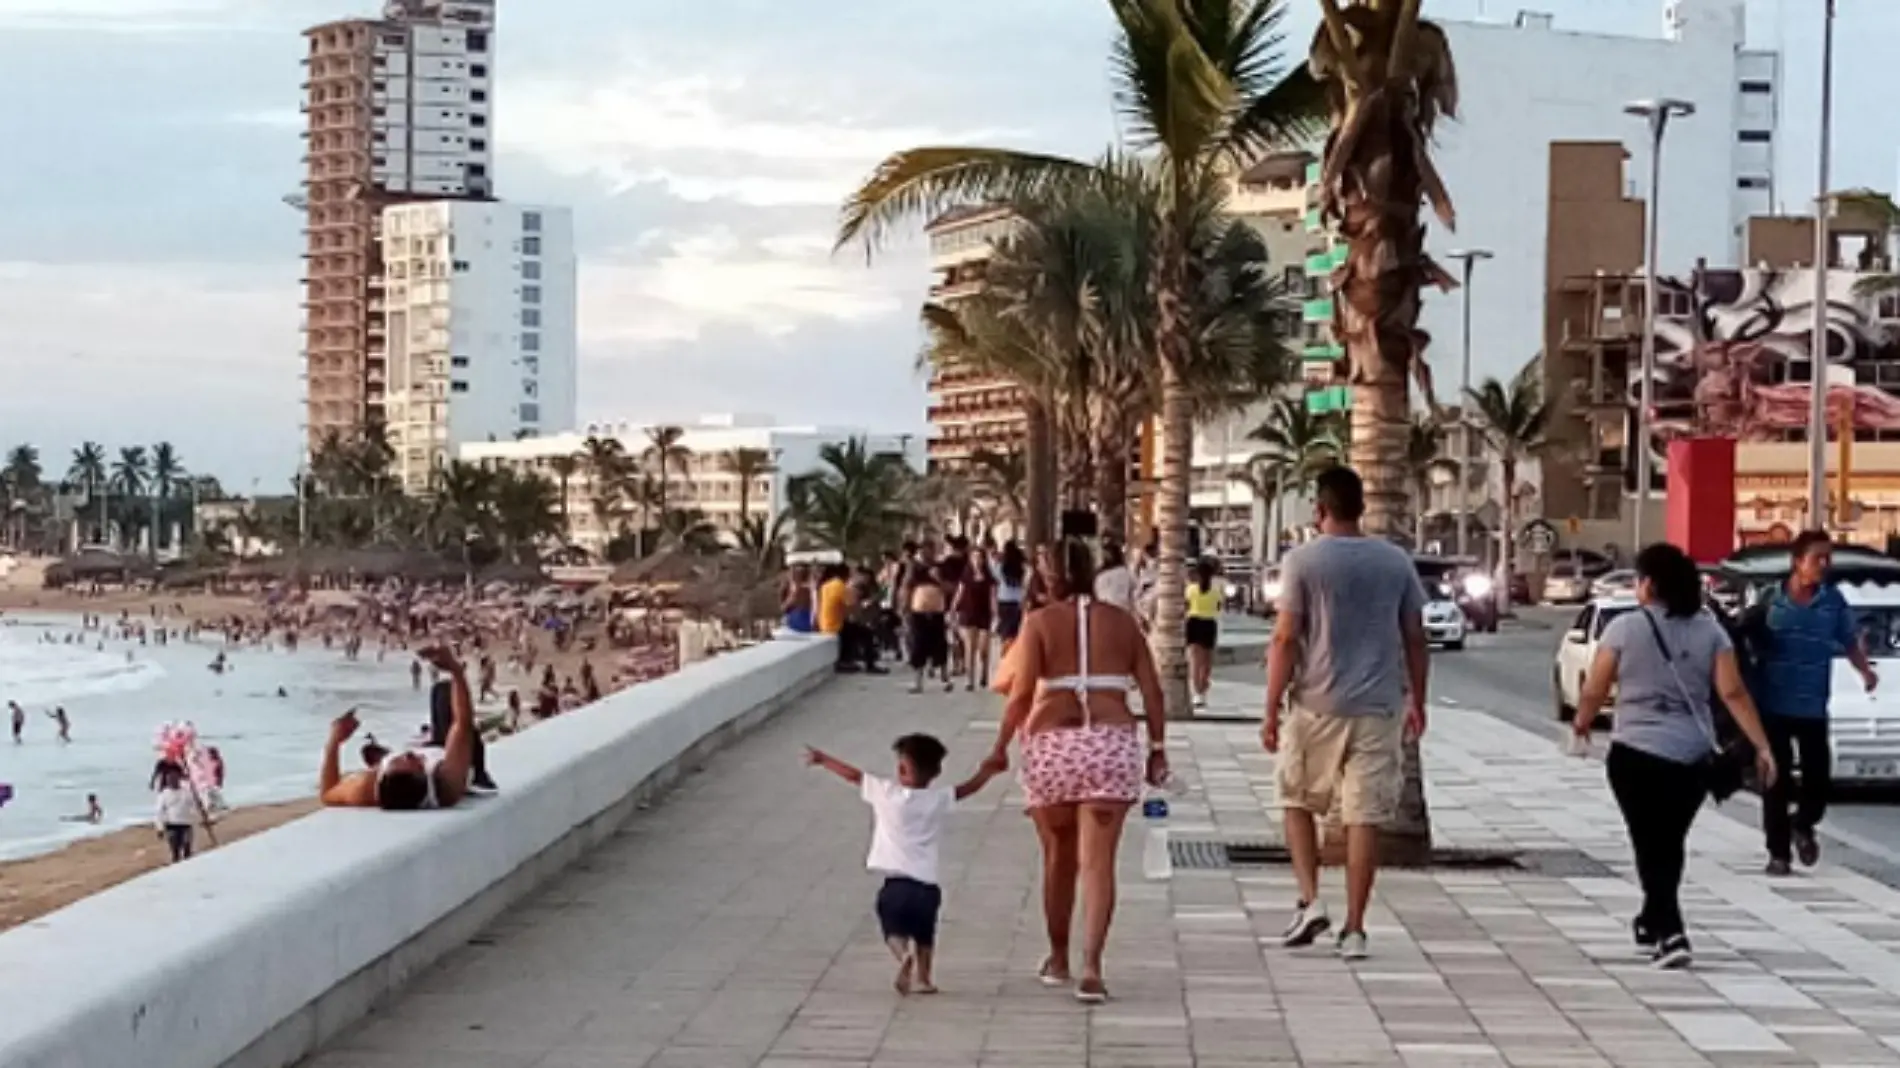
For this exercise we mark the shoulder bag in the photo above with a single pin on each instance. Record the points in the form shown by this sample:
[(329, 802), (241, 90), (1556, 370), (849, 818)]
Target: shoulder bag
[(1725, 767)]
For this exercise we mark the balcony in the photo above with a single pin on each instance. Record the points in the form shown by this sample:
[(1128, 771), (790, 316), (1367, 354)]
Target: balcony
[(1330, 399), (1313, 224), (1313, 171), (1319, 310), (1323, 352)]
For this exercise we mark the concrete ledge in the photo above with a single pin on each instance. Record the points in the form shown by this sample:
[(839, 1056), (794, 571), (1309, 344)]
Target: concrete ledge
[(254, 955)]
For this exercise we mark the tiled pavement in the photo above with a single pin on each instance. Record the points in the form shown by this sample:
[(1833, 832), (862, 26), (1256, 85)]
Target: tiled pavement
[(730, 926)]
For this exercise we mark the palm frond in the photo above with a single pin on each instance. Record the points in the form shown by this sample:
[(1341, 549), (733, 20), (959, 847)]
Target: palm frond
[(921, 183)]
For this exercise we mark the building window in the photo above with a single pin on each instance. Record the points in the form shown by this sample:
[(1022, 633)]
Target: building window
[(479, 70), (531, 270), (461, 266), (477, 144), (477, 170), (478, 96), (1758, 87), (1751, 183), (478, 121), (478, 40), (530, 388), (530, 246), (530, 294), (1755, 137), (531, 364), (530, 222), (531, 317), (458, 361), (394, 39), (378, 161), (458, 387), (531, 413), (531, 342)]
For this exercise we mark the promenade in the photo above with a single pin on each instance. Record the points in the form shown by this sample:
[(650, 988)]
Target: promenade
[(730, 927)]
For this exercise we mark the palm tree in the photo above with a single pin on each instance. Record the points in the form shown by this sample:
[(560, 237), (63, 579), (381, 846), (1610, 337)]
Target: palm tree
[(1388, 78), (1424, 457), (88, 471), (565, 468), (606, 462), (665, 451), (1513, 419), (21, 479), (854, 504), (1298, 441), (1002, 478), (525, 511), (167, 472), (748, 466), (128, 480), (464, 497), (1196, 83)]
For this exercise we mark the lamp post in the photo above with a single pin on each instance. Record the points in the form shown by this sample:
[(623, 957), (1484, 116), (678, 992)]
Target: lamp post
[(1470, 257), (1658, 113), (1817, 344)]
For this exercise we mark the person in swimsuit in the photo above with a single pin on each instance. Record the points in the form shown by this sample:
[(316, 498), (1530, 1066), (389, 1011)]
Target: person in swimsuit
[(417, 778), (929, 637), (1083, 761), (974, 609)]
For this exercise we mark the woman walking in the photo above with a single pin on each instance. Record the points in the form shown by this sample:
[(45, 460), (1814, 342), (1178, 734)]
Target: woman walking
[(1203, 628), (1083, 762), (1666, 662), (974, 609), (929, 629), (1012, 581)]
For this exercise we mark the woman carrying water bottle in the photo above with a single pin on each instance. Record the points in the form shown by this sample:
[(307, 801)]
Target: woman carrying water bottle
[(1083, 761)]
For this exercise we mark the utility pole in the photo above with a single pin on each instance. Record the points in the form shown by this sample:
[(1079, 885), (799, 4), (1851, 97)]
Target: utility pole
[(1658, 113), (1817, 344), (1470, 258)]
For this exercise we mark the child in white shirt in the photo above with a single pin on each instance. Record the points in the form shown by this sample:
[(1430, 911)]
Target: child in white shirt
[(907, 825)]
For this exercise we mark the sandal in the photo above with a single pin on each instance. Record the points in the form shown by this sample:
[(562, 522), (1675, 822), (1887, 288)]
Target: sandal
[(1091, 992), (1048, 976)]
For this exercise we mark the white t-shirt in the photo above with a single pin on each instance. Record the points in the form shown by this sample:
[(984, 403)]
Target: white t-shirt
[(175, 806), (1116, 586), (906, 826)]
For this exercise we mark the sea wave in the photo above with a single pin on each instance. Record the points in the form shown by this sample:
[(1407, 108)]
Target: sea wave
[(34, 672)]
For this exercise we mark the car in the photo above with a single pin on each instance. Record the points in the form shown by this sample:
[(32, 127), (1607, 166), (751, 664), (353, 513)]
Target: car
[(1444, 621), (1267, 590), (1579, 647), (1620, 583), (1566, 584)]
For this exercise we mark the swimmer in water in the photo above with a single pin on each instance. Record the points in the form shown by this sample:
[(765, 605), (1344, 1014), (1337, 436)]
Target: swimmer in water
[(94, 812), (58, 715)]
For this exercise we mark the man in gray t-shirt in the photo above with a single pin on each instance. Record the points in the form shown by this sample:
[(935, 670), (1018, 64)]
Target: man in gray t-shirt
[(1349, 649)]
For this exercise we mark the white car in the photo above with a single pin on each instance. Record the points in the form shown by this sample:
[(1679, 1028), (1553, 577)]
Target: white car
[(1444, 622), (1579, 647)]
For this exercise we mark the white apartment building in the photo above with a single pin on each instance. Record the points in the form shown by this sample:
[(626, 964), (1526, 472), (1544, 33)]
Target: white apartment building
[(431, 80), (482, 342), (1527, 82), (705, 484)]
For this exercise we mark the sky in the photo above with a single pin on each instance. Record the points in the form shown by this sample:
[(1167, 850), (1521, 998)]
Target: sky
[(148, 267)]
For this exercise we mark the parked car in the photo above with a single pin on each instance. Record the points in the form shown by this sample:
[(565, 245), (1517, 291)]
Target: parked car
[(1619, 583), (1579, 647), (1566, 584)]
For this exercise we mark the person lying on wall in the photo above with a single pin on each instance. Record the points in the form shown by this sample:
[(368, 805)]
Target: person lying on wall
[(413, 778)]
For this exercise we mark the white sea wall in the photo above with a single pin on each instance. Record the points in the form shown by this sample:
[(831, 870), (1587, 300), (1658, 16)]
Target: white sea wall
[(253, 955)]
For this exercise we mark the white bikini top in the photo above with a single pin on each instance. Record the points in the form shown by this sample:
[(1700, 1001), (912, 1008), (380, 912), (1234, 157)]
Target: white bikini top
[(1082, 682), (431, 759)]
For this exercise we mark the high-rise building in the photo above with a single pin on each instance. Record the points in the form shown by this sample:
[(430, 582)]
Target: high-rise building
[(398, 109), (969, 410), (480, 307)]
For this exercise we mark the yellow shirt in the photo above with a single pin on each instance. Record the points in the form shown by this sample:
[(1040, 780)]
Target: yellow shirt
[(831, 606), (1203, 604)]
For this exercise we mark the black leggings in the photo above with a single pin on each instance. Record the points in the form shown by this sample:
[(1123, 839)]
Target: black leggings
[(1659, 799), (178, 837)]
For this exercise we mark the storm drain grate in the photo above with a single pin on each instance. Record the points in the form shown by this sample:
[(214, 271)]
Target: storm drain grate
[(1213, 854)]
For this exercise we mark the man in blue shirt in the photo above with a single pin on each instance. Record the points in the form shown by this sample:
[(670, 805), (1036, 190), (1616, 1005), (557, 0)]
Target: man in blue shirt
[(1801, 628)]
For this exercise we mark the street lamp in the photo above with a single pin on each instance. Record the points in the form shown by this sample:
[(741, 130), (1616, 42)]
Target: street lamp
[(1470, 257), (1658, 112), (1817, 344)]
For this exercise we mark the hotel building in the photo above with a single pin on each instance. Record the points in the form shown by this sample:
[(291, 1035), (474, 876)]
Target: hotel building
[(398, 109), (481, 345), (969, 410)]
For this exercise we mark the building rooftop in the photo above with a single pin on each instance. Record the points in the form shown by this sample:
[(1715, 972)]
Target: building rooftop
[(965, 216), (1277, 167)]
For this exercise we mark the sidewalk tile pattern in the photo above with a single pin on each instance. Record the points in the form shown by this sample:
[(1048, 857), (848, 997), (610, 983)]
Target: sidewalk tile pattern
[(730, 927)]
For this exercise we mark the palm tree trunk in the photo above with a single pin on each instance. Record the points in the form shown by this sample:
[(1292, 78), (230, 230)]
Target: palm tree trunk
[(1111, 477), (1171, 513), (1506, 533), (1039, 462), (1380, 425)]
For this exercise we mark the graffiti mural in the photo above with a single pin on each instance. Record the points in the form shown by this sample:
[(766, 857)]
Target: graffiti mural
[(1733, 357)]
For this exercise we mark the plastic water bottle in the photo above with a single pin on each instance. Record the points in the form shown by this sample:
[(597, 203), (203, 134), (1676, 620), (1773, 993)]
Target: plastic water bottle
[(1156, 864)]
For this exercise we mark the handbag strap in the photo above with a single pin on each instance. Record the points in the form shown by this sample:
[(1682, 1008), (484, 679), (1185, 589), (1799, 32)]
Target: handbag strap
[(1682, 687)]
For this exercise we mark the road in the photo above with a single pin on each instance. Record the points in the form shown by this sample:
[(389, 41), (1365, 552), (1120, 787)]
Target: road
[(1507, 675)]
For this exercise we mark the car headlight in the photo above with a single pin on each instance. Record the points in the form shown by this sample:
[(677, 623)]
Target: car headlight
[(1270, 590), (1232, 591), (1477, 586)]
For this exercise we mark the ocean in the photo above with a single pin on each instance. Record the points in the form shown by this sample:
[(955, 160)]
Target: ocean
[(271, 744)]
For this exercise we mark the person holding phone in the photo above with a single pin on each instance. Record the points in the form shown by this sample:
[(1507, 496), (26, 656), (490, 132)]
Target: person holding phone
[(414, 778)]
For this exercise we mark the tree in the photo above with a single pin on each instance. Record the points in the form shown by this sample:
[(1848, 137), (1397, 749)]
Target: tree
[(1198, 84), (748, 466), (854, 503), (1002, 478), (464, 499), (21, 480), (606, 462), (88, 471), (167, 472), (565, 468), (1388, 78), (1297, 441), (525, 511), (665, 450), (1513, 419), (1424, 457)]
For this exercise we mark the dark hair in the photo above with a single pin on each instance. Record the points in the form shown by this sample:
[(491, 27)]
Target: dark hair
[(924, 752), (1015, 566), (1075, 569), (1806, 542), (1340, 491), (1673, 577), (402, 791), (910, 547), (1112, 555), (1204, 571)]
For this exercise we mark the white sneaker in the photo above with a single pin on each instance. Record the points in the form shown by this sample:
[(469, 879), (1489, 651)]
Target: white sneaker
[(1309, 922), (1200, 701), (1351, 945)]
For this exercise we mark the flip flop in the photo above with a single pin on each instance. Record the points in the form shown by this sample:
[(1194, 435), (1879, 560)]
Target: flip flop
[(1047, 977), (1091, 992)]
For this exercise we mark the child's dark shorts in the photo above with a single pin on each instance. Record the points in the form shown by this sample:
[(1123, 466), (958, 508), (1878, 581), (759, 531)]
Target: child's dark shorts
[(908, 909)]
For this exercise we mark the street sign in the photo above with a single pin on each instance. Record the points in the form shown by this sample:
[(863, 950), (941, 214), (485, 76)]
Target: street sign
[(1540, 536)]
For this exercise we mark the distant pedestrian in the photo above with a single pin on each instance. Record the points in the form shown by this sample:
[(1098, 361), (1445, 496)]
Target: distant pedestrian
[(58, 715), (974, 609), (1012, 580), (19, 721), (1114, 582), (176, 810), (1665, 662), (929, 630), (1797, 632), (1346, 678), (1203, 627)]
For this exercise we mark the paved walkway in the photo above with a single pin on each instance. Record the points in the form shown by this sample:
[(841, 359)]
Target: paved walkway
[(730, 927)]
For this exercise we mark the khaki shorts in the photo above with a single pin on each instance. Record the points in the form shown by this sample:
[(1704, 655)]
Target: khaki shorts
[(1356, 760)]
